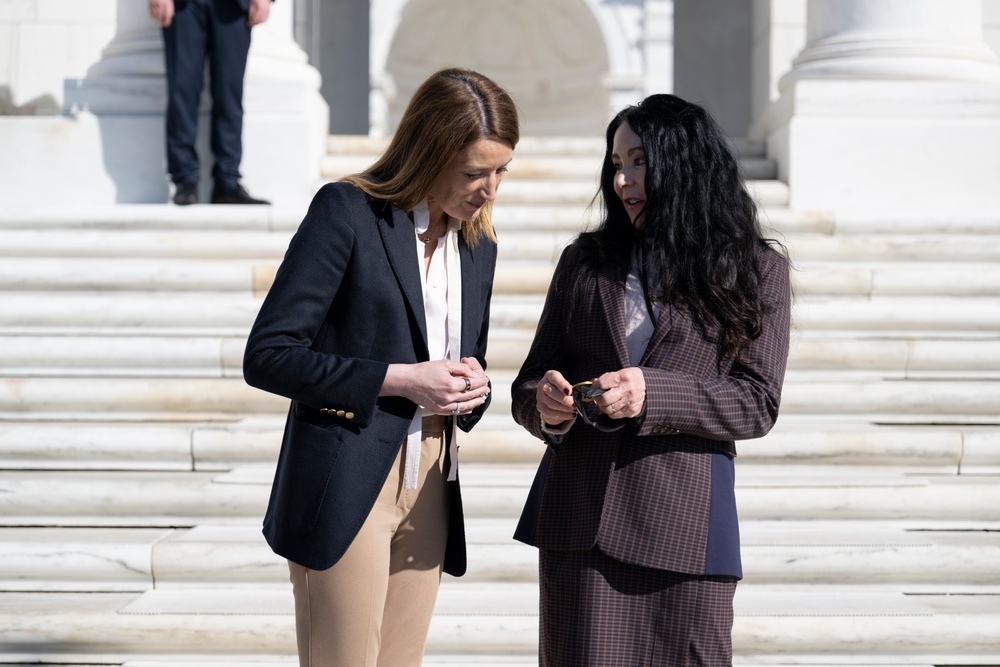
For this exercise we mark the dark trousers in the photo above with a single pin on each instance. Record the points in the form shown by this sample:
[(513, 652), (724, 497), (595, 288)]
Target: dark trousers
[(599, 612), (216, 31)]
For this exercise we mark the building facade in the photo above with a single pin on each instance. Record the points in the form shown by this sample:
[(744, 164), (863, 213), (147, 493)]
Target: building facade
[(895, 87)]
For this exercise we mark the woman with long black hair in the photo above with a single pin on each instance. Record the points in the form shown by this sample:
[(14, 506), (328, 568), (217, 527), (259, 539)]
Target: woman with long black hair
[(663, 339)]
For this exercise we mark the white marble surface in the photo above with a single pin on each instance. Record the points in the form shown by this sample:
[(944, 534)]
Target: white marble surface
[(117, 355), (171, 241), (98, 434), (146, 313), (838, 621), (821, 132), (170, 398), (763, 492), (148, 274), (916, 316), (220, 446), (99, 446), (77, 559)]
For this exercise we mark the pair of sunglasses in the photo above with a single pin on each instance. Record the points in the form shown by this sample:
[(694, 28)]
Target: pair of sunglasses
[(589, 412)]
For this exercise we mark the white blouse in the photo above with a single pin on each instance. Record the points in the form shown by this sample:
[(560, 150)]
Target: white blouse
[(441, 285)]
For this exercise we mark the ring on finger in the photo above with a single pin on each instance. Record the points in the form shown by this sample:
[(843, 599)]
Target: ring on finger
[(455, 411), (545, 388), (468, 384)]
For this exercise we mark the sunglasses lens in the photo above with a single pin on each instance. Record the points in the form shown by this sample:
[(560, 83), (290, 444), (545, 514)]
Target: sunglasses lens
[(589, 412)]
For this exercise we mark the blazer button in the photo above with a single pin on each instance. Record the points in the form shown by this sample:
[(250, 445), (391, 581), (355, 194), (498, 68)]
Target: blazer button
[(350, 415), (340, 413)]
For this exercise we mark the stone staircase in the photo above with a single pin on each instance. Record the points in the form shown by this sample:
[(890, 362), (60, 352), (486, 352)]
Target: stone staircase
[(135, 463)]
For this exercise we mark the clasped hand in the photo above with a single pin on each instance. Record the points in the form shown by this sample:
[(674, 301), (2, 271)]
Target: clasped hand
[(444, 387), (623, 397)]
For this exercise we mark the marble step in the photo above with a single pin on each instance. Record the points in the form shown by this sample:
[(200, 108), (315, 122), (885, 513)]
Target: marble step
[(865, 624), (158, 217), (148, 313), (524, 232), (232, 314), (534, 157), (185, 499), (113, 228), (875, 315), (859, 398), (538, 166), (918, 556), (156, 399), (214, 446), (248, 277), (222, 356), (362, 144), (229, 398), (892, 247)]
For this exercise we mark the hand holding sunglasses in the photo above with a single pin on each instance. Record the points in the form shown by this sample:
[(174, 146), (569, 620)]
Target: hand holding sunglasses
[(590, 413)]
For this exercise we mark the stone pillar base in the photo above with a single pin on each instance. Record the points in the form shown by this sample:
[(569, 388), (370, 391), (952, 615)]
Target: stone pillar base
[(889, 149), (109, 146)]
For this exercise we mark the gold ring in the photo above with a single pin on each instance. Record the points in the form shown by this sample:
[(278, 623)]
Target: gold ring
[(545, 388)]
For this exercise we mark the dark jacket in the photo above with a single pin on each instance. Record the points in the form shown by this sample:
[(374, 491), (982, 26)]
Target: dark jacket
[(345, 303)]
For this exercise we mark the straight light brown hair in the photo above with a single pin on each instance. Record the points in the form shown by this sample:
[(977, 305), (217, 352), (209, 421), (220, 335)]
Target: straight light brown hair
[(451, 110)]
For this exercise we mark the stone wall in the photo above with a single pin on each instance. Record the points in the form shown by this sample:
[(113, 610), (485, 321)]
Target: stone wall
[(44, 42)]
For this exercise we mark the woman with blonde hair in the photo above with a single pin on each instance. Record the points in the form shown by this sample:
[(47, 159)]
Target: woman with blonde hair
[(375, 328)]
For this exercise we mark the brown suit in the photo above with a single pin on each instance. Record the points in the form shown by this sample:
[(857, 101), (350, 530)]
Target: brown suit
[(645, 495), (642, 493)]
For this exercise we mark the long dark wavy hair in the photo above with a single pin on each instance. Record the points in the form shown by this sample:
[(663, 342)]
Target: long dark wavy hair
[(700, 235)]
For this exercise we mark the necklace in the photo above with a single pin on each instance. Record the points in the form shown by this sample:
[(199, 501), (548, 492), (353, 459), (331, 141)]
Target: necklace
[(428, 236)]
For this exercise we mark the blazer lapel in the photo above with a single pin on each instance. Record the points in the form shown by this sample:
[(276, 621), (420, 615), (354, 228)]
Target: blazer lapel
[(611, 289), (472, 300), (400, 249), (663, 324)]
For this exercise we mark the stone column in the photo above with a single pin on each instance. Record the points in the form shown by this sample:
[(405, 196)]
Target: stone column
[(895, 39), (658, 46), (285, 120), (886, 110)]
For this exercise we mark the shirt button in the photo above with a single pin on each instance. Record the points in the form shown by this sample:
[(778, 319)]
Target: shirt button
[(340, 413), (350, 415)]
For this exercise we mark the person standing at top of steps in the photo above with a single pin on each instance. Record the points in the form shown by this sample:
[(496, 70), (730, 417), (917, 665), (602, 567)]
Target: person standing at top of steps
[(218, 30), (376, 328), (663, 339)]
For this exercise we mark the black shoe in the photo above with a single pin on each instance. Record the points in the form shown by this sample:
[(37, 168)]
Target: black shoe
[(186, 194), (237, 195)]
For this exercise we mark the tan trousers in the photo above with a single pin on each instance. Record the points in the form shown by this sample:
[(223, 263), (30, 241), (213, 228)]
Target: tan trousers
[(373, 607)]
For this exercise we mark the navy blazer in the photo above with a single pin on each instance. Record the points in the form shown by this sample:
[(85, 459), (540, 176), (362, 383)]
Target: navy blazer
[(658, 493), (346, 302)]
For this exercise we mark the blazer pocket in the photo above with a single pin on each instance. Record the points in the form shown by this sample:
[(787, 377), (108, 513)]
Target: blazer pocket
[(306, 473)]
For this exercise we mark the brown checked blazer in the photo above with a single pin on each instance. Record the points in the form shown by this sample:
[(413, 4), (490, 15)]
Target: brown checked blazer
[(645, 494)]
